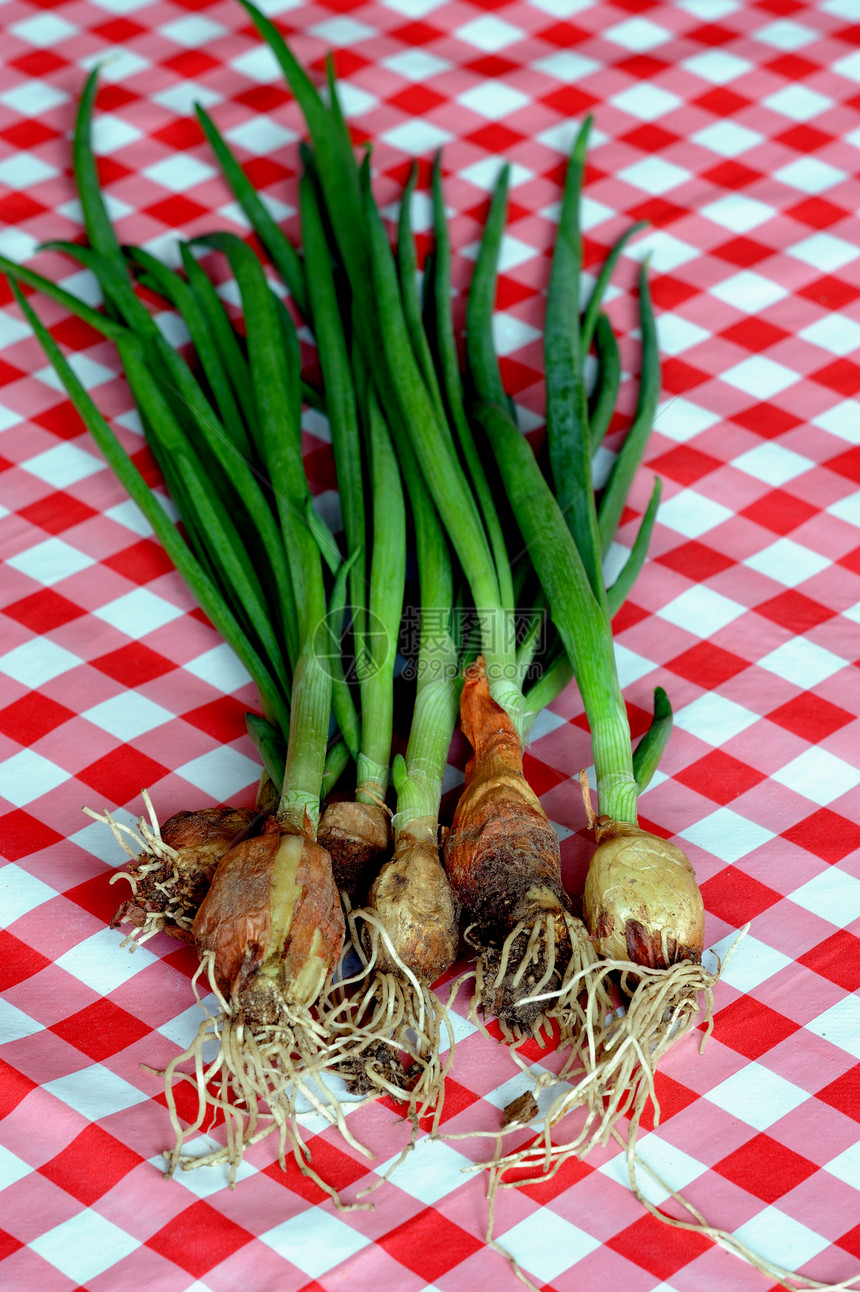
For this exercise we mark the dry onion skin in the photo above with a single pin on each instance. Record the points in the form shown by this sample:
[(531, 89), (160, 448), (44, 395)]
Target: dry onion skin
[(390, 1020), (641, 899), (357, 837), (407, 933), (502, 858), (270, 933), (173, 866)]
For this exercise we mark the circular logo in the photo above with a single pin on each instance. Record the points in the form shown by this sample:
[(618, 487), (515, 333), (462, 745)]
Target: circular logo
[(359, 644)]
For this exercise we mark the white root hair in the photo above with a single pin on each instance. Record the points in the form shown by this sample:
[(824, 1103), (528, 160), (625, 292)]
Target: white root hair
[(390, 1010), (255, 1081)]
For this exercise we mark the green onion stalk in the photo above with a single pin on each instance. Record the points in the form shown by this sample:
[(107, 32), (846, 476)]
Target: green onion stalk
[(231, 555), (415, 409), (643, 909), (356, 833), (270, 928), (407, 934)]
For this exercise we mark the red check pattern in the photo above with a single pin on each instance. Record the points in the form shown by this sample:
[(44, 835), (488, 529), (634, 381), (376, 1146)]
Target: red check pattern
[(734, 127)]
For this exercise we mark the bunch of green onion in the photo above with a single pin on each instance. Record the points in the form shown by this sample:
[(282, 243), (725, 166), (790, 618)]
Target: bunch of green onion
[(410, 437)]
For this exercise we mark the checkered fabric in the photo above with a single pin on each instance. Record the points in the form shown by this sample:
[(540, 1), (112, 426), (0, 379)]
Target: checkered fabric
[(733, 126)]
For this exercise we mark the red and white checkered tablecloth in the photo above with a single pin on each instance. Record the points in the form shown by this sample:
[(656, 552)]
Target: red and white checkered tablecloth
[(734, 127)]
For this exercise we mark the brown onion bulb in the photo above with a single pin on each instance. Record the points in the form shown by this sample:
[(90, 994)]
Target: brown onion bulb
[(641, 900), (416, 905)]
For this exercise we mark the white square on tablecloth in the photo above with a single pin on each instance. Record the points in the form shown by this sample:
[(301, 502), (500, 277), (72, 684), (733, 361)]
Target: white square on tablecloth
[(818, 775), (691, 513), (9, 418), (849, 66), (567, 65), (832, 895), (680, 419), (416, 64), (802, 662), (631, 666), (33, 98), (781, 1237), (181, 99), (203, 1182), (221, 668), (89, 373), (20, 893), (27, 776), (15, 1024), (12, 1168), (435, 1170), (95, 1092), (128, 715), (738, 212), (111, 134), (257, 64), (493, 100), (37, 661), (545, 1244), (835, 332), (511, 333), (416, 137), (128, 514), (84, 1246), (752, 963), (138, 613), (847, 509), (261, 136), (342, 31), (64, 465), (637, 34), (797, 102), (182, 1029), (714, 718), (772, 464), (563, 8), (785, 35), (646, 101), (824, 252), (100, 963), (747, 291), (44, 31), (50, 561), (726, 835), (221, 772), (654, 175), (846, 1166), (760, 377), (717, 66), (727, 138), (843, 419), (757, 1096), (484, 173), (489, 34), (701, 611), (314, 1240), (810, 175), (11, 329), (179, 172), (194, 31), (840, 1025), (673, 1166), (122, 7), (678, 334), (787, 562)]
